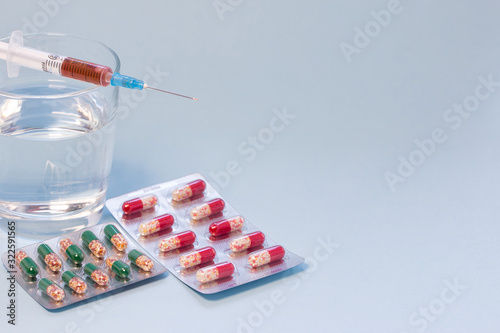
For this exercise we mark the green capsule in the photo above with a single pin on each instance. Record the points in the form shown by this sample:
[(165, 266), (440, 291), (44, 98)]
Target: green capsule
[(27, 264), (96, 274), (133, 255), (141, 260), (51, 289), (115, 237), (44, 283), (110, 230), (29, 267), (93, 243), (87, 237), (67, 276), (74, 282), (89, 268), (119, 267), (75, 254), (51, 259), (44, 250)]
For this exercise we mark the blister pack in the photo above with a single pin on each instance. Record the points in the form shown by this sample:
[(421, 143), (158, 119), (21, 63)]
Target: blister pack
[(198, 236), (80, 265)]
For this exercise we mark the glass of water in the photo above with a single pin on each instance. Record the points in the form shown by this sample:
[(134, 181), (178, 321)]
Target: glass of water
[(56, 141)]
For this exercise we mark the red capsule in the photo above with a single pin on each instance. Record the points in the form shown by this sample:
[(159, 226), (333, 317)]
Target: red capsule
[(266, 256), (226, 226), (208, 208), (247, 241), (177, 241), (197, 257), (160, 223), (214, 272), (139, 204), (188, 190)]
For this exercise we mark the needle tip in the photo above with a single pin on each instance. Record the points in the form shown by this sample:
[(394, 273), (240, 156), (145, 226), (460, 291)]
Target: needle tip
[(196, 99)]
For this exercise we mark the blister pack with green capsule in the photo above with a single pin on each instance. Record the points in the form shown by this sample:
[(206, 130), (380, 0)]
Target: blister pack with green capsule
[(74, 267)]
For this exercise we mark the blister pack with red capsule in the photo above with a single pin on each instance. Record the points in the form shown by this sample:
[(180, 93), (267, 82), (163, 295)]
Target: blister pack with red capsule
[(201, 239), (80, 265)]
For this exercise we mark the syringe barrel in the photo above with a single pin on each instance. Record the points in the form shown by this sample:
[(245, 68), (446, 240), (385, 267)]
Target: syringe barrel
[(86, 71), (59, 65), (26, 57)]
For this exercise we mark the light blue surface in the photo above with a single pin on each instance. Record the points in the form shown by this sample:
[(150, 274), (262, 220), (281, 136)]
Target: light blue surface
[(310, 114)]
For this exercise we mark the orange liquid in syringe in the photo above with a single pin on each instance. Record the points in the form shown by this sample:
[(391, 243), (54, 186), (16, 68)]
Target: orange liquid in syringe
[(86, 71)]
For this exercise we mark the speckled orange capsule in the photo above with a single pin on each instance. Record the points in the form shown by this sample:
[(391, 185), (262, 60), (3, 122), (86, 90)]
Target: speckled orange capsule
[(96, 274), (141, 260), (115, 237), (51, 289), (53, 262), (93, 243)]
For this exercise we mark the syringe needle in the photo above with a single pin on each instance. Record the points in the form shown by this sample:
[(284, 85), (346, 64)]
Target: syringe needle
[(168, 92)]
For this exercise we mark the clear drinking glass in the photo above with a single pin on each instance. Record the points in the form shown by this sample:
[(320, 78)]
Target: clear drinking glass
[(56, 141)]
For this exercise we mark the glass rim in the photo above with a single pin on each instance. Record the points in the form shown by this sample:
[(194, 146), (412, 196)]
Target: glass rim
[(70, 94)]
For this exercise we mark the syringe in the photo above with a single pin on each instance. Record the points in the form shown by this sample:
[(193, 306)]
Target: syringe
[(17, 55)]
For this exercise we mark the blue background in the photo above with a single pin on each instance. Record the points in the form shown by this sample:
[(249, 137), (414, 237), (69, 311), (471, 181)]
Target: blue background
[(364, 98)]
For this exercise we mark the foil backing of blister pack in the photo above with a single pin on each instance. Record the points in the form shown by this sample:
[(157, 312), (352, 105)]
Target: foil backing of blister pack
[(244, 273), (71, 297)]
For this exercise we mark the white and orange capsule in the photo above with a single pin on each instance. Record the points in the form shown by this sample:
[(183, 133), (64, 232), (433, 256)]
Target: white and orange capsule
[(208, 208), (189, 190)]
